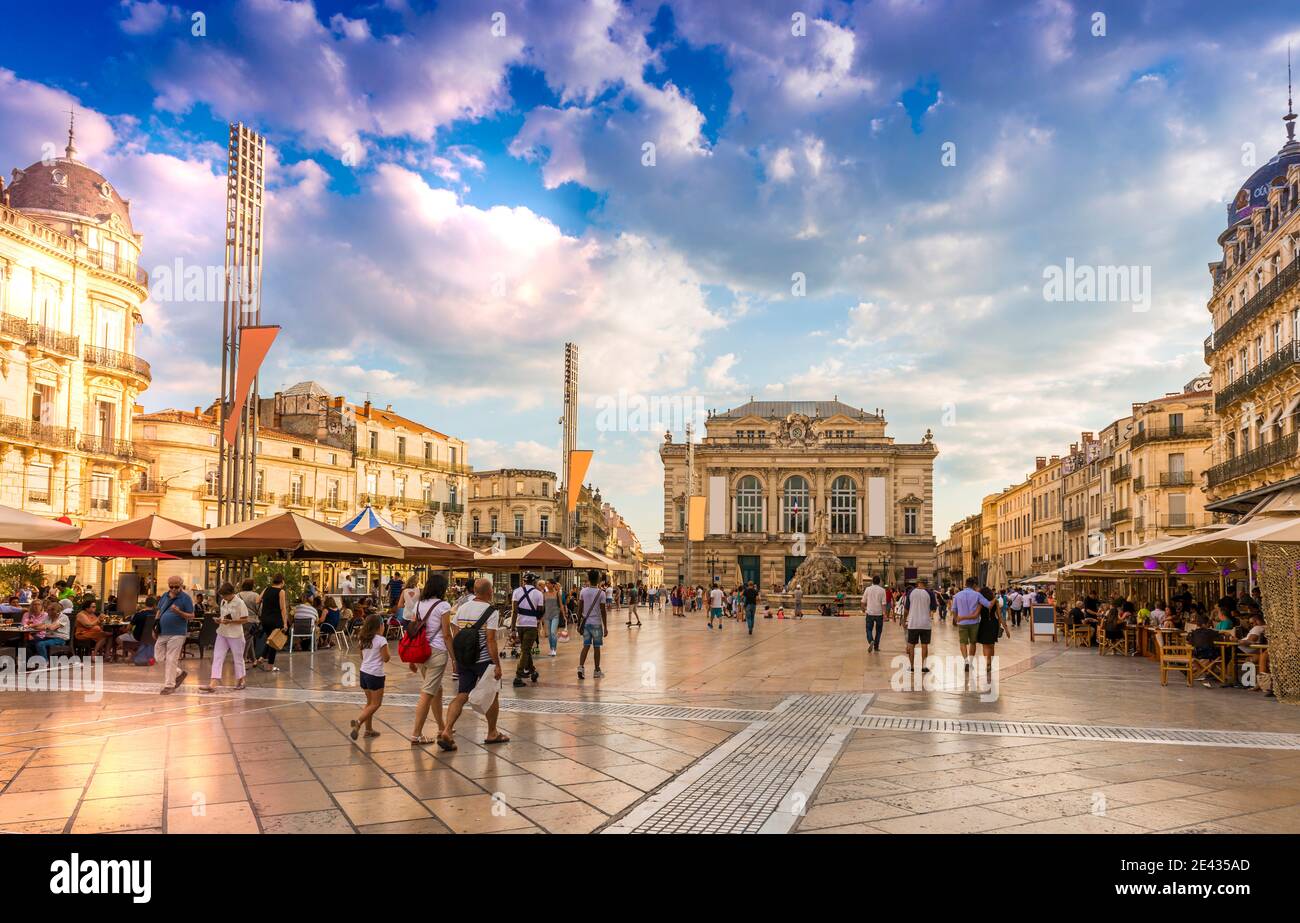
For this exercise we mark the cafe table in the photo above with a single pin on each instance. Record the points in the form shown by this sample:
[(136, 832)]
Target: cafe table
[(1227, 669)]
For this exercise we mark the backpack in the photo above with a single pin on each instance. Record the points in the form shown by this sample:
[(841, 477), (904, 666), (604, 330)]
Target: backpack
[(465, 646), (414, 646)]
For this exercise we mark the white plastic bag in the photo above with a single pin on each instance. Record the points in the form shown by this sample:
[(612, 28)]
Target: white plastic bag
[(485, 692)]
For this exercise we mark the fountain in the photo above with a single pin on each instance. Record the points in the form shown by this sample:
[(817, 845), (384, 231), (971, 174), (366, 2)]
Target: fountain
[(821, 577)]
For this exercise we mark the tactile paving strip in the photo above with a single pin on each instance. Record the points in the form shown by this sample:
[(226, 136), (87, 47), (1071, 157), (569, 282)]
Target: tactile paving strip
[(760, 779), (1267, 740)]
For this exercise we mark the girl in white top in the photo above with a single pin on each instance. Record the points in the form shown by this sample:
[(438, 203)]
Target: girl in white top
[(374, 654), (230, 637)]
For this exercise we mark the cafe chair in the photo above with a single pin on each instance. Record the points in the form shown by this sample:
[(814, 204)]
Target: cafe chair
[(301, 629), (1079, 635), (1059, 626), (1107, 646), (1175, 657), (205, 638)]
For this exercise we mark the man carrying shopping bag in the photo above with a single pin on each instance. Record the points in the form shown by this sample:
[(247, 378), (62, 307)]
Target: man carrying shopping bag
[(474, 645)]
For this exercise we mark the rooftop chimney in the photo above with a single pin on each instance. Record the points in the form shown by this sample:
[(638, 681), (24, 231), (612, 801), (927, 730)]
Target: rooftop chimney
[(1040, 463), (367, 409)]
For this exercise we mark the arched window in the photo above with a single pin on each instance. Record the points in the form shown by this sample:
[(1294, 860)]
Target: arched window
[(749, 505), (844, 505), (794, 505)]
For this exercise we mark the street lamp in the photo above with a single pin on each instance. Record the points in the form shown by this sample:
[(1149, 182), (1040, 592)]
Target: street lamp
[(884, 567), (711, 561)]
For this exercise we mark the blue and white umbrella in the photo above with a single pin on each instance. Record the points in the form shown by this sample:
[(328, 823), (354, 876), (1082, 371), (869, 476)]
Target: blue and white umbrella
[(367, 519)]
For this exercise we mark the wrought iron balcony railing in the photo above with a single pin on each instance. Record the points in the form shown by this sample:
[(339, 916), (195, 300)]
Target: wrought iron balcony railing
[(1176, 478), (1169, 433), (1121, 473), (104, 358), (109, 447), (1284, 358), (17, 429), (1256, 306), (1270, 453)]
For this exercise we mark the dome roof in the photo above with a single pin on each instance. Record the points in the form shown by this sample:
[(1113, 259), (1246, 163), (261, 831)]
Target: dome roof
[(1253, 193), (67, 186)]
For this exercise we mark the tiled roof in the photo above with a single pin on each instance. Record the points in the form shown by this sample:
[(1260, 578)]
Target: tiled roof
[(388, 418), (778, 410)]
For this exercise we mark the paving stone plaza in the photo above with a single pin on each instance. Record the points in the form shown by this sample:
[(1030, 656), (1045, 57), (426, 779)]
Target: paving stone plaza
[(794, 729)]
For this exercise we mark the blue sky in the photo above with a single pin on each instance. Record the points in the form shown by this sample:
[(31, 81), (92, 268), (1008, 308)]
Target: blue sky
[(450, 204)]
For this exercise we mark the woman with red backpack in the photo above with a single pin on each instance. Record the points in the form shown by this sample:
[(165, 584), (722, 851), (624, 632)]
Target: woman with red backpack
[(425, 648)]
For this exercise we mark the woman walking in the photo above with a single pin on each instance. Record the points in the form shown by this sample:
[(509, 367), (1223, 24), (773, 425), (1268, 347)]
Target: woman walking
[(633, 594), (374, 654), (432, 612), (275, 615), (230, 637), (551, 612), (992, 623)]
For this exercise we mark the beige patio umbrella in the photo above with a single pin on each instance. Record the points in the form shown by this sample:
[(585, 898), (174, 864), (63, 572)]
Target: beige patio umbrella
[(285, 535), (534, 554), (417, 550), (151, 530), (18, 527), (605, 561)]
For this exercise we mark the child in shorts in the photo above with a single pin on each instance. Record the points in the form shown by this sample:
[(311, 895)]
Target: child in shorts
[(374, 654)]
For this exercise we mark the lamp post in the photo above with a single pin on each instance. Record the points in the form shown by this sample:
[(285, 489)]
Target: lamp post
[(884, 567), (711, 561)]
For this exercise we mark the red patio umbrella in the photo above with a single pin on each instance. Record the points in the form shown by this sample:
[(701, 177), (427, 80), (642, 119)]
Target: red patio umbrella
[(104, 550), (10, 553)]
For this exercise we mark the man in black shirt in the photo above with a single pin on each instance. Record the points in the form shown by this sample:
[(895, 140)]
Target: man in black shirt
[(751, 603)]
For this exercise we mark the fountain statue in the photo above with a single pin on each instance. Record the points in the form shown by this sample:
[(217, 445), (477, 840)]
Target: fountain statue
[(822, 574)]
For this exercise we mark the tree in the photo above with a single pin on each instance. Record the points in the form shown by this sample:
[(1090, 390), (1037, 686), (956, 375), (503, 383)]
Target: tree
[(18, 573), (295, 576)]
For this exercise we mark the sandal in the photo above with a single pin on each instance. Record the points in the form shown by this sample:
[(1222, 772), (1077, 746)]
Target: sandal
[(356, 728), (372, 733), (445, 744), (499, 739), (422, 741)]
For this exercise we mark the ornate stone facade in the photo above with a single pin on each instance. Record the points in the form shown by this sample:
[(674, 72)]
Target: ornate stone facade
[(771, 470)]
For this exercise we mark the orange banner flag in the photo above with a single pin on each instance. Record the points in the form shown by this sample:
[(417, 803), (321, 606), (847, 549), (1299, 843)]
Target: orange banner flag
[(254, 344), (579, 462), (695, 519)]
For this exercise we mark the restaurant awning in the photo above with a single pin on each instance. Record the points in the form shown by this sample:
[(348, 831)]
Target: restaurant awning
[(415, 549), (151, 530), (605, 561), (534, 554), (34, 532), (284, 535)]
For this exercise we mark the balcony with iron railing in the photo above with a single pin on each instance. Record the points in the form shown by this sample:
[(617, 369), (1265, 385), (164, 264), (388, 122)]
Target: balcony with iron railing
[(117, 266), (116, 361), (1270, 453), (414, 461), (1257, 305), (1121, 473), (1139, 484), (38, 337), (148, 485), (32, 432), (332, 505), (297, 501), (1285, 357), (1121, 515), (108, 447), (1176, 478), (1074, 525), (1169, 433), (261, 497), (1175, 521)]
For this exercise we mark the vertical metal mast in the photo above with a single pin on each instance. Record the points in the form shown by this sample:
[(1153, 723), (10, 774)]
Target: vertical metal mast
[(570, 437), (690, 492), (245, 186)]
